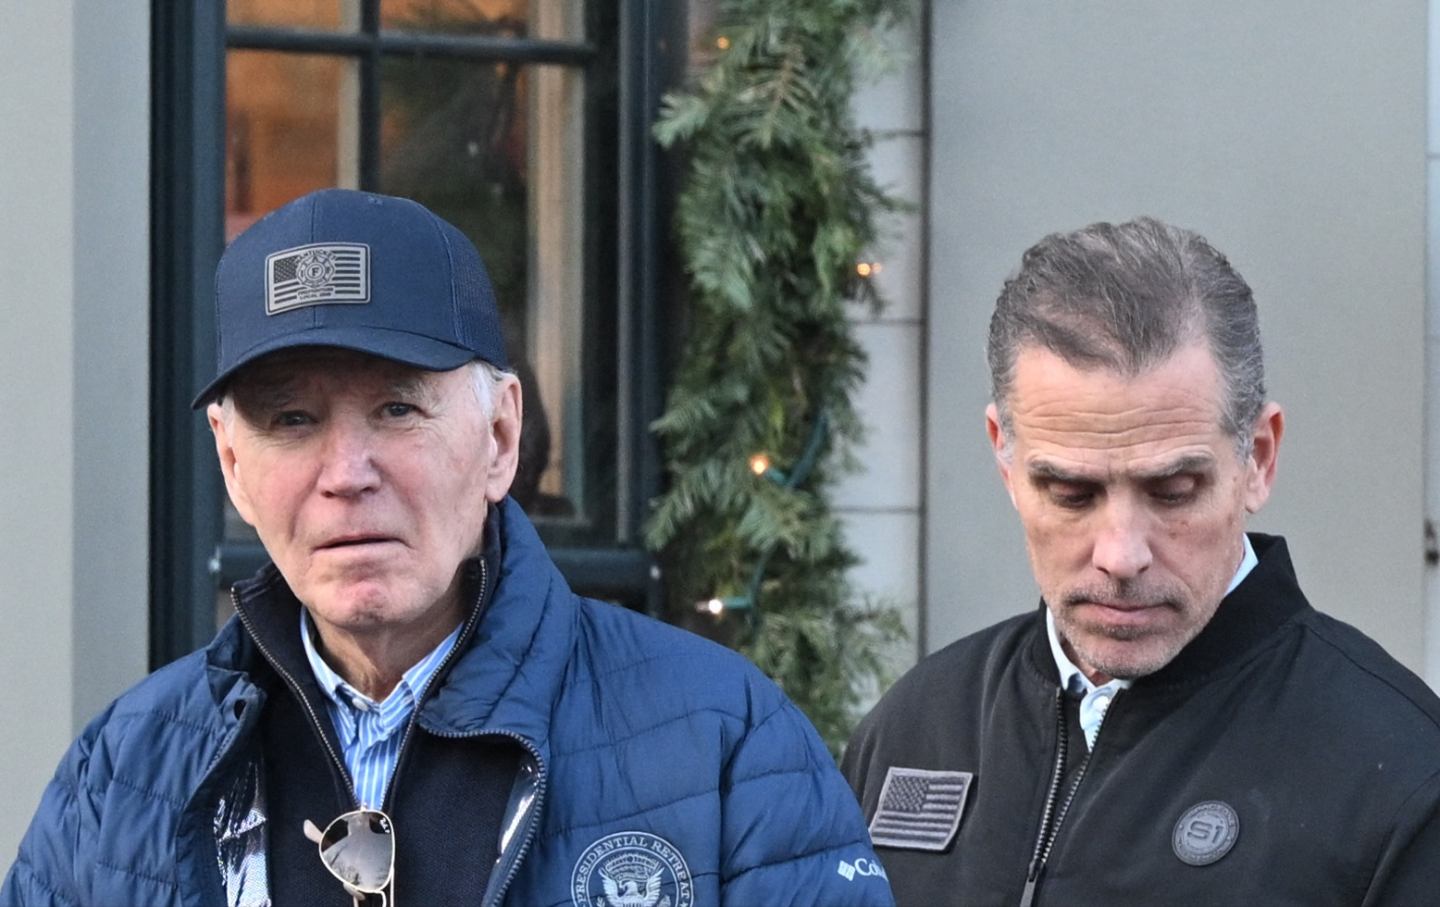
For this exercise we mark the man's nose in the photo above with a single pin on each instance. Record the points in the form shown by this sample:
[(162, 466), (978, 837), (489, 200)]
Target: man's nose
[(348, 466), (1122, 548)]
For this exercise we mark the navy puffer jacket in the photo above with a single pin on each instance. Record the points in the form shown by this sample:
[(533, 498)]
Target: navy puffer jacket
[(663, 769)]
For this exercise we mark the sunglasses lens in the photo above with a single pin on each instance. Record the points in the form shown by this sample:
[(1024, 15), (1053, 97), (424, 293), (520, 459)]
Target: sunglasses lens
[(359, 848)]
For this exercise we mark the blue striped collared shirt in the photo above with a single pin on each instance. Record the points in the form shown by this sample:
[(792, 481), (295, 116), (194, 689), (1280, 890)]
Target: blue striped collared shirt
[(371, 732)]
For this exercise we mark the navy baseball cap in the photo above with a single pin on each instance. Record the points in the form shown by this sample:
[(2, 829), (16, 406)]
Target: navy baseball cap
[(359, 271)]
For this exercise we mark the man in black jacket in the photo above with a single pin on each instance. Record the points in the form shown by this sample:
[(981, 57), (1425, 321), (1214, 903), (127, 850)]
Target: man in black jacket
[(1175, 724)]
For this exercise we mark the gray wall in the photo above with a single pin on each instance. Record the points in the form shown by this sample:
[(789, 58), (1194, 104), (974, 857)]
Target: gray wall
[(881, 505), (1290, 133), (74, 347)]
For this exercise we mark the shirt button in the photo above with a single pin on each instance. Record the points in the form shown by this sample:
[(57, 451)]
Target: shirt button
[(360, 704)]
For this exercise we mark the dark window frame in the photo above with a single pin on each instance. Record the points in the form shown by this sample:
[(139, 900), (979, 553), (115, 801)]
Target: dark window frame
[(190, 560)]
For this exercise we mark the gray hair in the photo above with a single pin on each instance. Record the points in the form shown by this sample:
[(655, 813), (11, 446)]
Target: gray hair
[(1125, 297)]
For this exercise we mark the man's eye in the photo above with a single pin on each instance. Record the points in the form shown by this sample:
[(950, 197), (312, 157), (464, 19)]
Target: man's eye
[(290, 418), (399, 410), (1175, 492), (1071, 497)]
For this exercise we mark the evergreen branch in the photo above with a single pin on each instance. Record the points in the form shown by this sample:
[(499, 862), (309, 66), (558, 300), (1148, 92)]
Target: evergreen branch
[(776, 208)]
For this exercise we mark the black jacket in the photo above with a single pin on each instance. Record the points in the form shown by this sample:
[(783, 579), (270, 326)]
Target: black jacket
[(1324, 748)]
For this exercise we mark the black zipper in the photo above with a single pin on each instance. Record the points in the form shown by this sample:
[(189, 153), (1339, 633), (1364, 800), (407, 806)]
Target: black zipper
[(1053, 818), (387, 799), (534, 806), (299, 694), (392, 787), (531, 810)]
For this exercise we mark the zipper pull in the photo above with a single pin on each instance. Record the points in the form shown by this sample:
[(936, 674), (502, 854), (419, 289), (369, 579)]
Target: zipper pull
[(1032, 881)]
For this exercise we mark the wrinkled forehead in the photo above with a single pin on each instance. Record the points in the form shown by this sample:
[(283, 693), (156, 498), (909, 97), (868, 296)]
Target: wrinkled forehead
[(289, 373), (1178, 397)]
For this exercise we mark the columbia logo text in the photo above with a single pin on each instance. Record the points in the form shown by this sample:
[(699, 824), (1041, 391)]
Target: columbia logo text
[(861, 867)]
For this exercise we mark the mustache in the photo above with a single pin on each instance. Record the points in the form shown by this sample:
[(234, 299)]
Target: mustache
[(1124, 594)]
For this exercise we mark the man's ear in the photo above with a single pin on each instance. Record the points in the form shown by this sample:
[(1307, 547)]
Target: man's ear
[(229, 468), (999, 444), (505, 439), (1264, 454)]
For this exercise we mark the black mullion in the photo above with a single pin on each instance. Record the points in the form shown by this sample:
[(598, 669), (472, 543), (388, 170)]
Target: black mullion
[(297, 40), (370, 97), (640, 91), (465, 47), (186, 208)]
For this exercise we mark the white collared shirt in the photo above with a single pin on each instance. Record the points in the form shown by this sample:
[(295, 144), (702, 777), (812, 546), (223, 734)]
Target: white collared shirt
[(1096, 700)]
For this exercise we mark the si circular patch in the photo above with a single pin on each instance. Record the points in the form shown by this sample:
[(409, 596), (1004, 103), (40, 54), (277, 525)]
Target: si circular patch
[(1205, 833), (632, 869)]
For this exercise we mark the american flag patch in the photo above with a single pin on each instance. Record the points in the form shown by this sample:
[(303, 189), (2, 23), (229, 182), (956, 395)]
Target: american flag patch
[(320, 273), (919, 809)]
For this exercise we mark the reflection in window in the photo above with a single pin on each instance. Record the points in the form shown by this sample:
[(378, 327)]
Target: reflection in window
[(290, 128), (495, 149), (317, 14)]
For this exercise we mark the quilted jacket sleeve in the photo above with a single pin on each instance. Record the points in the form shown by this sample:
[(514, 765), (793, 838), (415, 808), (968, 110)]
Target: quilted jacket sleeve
[(792, 830), (44, 872)]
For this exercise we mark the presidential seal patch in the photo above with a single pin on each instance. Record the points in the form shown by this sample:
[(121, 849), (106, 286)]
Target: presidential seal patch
[(632, 869), (1205, 833)]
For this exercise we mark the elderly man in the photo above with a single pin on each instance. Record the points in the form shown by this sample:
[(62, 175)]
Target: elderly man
[(410, 706), (1174, 724)]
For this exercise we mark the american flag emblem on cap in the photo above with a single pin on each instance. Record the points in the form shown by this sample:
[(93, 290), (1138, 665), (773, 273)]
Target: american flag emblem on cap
[(317, 274), (919, 809)]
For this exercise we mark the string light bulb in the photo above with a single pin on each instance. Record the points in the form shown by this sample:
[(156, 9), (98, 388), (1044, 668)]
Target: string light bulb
[(718, 606), (868, 268), (759, 464), (722, 42)]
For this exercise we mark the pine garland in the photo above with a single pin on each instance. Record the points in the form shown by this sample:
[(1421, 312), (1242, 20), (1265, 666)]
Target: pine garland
[(776, 210)]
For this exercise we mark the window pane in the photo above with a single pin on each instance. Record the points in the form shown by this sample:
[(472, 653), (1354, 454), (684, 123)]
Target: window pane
[(560, 20), (290, 127), (498, 151), (290, 123), (333, 15)]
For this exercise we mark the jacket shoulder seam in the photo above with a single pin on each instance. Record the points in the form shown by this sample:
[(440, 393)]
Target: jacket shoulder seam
[(1366, 669)]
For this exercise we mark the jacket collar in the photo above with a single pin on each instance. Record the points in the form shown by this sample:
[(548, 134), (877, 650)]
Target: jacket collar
[(1265, 600), (507, 679), (510, 663)]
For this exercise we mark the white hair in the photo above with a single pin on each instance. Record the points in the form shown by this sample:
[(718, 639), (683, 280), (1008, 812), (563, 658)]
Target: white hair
[(485, 378)]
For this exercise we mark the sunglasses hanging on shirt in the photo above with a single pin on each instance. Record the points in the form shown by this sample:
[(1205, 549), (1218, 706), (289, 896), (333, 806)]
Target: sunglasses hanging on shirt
[(359, 849)]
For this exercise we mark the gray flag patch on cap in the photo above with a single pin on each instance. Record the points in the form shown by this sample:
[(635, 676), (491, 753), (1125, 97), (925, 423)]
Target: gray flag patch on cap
[(319, 273), (919, 808)]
